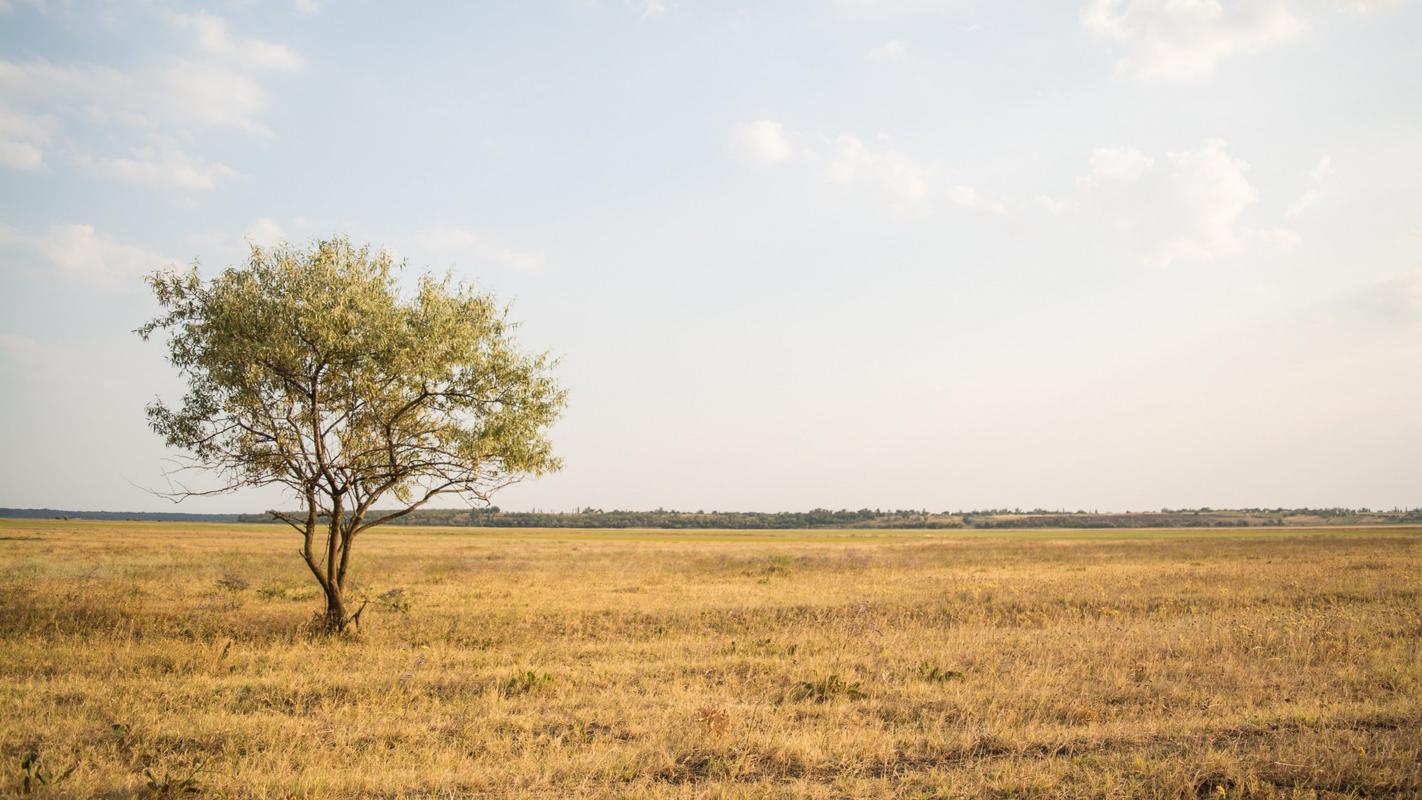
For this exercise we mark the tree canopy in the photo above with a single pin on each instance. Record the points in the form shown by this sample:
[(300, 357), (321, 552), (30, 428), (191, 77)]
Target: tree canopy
[(308, 368)]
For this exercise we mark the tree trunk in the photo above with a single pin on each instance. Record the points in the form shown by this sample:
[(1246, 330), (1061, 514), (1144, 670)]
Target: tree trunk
[(335, 619)]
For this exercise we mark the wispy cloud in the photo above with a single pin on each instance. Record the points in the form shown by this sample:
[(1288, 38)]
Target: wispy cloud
[(22, 138), (1182, 41), (892, 50), (265, 233), (6, 6), (453, 244), (1367, 6), (850, 161), (1118, 164), (876, 167), (150, 111), (1185, 206), (1314, 190), (148, 166), (762, 141), (77, 251), (211, 35)]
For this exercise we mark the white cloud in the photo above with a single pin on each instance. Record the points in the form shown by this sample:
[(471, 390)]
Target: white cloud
[(265, 233), (1310, 195), (1322, 169), (212, 36), (1187, 206), (1273, 238), (968, 197), (213, 84), (653, 9), (6, 6), (1367, 6), (453, 243), (1119, 164), (964, 196), (1302, 204), (78, 251), (878, 168), (24, 156), (147, 166), (22, 137), (176, 95), (888, 171), (1198, 200), (1182, 40), (209, 95), (762, 141), (1052, 205), (892, 50), (307, 8), (885, 168)]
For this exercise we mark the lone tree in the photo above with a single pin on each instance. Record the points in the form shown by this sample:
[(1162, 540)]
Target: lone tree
[(308, 369)]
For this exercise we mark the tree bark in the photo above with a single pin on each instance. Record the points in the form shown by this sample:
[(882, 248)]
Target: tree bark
[(335, 619)]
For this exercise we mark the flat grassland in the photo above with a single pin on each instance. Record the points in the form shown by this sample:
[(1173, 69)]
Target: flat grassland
[(564, 663)]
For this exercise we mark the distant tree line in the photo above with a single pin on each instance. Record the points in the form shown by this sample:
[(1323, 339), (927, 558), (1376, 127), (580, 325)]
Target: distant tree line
[(494, 517), (902, 519), (908, 519), (129, 516)]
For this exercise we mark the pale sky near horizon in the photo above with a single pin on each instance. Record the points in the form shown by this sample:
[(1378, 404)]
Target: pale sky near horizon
[(1115, 254)]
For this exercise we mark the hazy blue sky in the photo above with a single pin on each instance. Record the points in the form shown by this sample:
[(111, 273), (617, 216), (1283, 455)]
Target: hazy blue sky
[(858, 253)]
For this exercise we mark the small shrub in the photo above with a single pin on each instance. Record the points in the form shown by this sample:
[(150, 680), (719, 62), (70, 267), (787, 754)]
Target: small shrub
[(823, 690), (525, 682), (231, 582), (396, 600), (169, 782), (774, 565), (272, 592), (35, 774), (931, 672), (232, 585)]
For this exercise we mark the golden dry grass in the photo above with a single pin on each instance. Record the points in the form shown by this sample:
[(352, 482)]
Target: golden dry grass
[(739, 665)]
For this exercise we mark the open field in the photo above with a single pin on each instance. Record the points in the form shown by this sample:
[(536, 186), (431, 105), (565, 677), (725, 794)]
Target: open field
[(615, 663)]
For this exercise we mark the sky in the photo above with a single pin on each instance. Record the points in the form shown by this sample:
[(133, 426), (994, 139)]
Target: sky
[(1111, 254)]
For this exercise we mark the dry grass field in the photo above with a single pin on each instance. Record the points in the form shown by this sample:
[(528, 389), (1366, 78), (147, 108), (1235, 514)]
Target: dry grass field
[(172, 659)]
